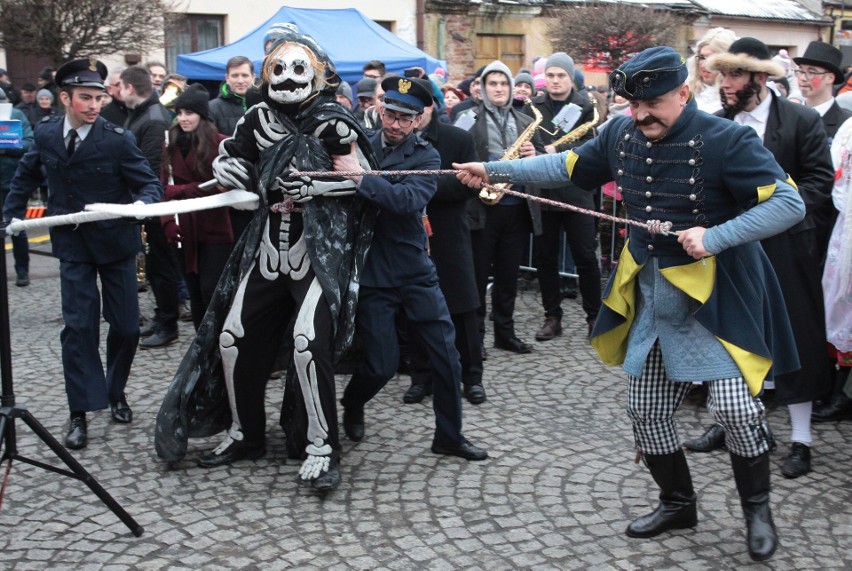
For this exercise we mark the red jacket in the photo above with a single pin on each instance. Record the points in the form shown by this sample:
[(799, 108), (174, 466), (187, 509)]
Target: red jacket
[(204, 227)]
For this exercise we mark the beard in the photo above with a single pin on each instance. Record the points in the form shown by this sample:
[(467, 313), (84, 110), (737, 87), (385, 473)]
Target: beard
[(744, 97)]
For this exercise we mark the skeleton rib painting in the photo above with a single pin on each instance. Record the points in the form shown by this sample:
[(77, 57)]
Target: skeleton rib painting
[(294, 271)]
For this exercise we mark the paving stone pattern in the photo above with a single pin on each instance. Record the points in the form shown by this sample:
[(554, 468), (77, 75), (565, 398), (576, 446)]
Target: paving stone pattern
[(557, 492)]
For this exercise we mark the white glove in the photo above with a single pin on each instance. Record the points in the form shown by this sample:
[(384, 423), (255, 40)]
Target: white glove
[(9, 227), (232, 172), (140, 203)]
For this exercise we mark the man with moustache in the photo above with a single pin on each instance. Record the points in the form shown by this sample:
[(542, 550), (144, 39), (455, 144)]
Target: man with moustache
[(87, 159), (399, 277), (702, 306)]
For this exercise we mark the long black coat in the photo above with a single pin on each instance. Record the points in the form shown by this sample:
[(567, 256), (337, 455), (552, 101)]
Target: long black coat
[(796, 136), (450, 244)]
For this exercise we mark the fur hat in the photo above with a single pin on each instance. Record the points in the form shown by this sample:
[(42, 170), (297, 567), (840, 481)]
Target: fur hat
[(826, 56), (194, 98), (747, 54)]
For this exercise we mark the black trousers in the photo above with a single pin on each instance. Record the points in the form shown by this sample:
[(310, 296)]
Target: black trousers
[(88, 386), (266, 313), (498, 250), (468, 344), (200, 286), (580, 232), (163, 271), (426, 311)]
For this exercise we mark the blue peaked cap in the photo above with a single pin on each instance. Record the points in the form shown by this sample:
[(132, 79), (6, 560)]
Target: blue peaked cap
[(651, 73)]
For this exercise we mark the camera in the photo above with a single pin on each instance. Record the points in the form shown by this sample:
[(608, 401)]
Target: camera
[(412, 72)]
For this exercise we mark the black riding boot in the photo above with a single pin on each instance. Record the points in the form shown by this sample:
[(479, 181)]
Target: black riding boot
[(678, 502), (752, 477)]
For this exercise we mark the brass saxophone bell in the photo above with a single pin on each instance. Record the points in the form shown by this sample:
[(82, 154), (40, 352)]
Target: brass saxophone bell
[(170, 94)]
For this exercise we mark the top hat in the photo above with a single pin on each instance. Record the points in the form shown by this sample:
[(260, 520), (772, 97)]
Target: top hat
[(825, 56)]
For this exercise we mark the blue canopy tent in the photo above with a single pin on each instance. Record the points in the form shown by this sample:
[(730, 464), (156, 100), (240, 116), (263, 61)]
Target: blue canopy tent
[(350, 39)]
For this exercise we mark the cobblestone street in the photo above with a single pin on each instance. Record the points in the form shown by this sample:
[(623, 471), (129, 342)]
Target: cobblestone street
[(558, 491)]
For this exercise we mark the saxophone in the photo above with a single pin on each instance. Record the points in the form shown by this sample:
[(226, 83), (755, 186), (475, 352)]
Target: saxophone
[(578, 133), (492, 194)]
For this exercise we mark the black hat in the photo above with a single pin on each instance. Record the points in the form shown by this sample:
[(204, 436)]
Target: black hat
[(366, 87), (194, 98), (46, 73), (747, 54), (825, 56), (405, 96), (87, 72), (649, 74), (29, 87)]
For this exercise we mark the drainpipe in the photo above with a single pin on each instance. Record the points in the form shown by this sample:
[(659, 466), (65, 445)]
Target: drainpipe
[(421, 7)]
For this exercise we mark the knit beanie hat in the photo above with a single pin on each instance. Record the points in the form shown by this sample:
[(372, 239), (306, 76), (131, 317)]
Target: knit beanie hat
[(44, 93), (345, 90), (194, 98), (46, 74), (563, 60), (524, 77)]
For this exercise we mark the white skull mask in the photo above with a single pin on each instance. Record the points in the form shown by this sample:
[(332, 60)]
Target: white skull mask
[(291, 80)]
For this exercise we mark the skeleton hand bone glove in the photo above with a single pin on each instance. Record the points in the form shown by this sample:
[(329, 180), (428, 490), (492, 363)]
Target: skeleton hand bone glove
[(232, 172), (304, 188), (336, 136)]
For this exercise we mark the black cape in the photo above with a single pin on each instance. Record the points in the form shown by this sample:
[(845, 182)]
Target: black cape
[(338, 233)]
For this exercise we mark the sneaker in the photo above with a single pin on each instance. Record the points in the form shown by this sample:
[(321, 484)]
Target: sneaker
[(23, 279)]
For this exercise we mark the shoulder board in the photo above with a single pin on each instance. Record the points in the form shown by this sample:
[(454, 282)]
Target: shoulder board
[(50, 118), (110, 127)]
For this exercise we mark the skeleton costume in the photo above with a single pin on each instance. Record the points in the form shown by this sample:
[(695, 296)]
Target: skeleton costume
[(295, 268)]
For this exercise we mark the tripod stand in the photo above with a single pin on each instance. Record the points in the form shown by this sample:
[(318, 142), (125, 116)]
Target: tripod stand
[(9, 412)]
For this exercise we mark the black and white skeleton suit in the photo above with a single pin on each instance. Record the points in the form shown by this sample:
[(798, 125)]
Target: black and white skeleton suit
[(299, 265)]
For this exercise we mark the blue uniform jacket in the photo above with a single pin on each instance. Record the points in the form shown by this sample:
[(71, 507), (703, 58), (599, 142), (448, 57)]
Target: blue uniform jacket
[(399, 253), (106, 167)]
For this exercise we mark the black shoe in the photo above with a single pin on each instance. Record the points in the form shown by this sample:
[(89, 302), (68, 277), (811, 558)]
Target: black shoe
[(234, 451), (23, 279), (464, 450), (798, 463), (329, 479), (159, 339), (78, 435), (475, 394), (416, 393), (184, 313), (149, 329), (514, 345), (353, 423), (552, 328), (672, 513), (121, 412), (839, 407), (712, 439)]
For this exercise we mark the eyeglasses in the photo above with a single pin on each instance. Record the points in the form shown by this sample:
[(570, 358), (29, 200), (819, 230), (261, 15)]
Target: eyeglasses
[(809, 73), (404, 122), (371, 76)]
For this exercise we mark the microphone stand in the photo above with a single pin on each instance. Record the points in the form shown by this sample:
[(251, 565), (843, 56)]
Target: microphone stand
[(9, 412)]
